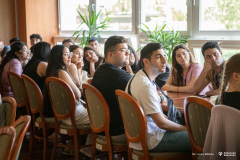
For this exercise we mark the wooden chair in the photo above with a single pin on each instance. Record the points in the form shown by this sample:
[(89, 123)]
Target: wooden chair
[(135, 125), (99, 116), (21, 126), (9, 107), (197, 112), (64, 104), (18, 90), (35, 99), (7, 137)]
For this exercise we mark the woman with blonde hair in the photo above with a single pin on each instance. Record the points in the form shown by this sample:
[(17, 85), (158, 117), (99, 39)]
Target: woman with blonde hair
[(230, 93), (184, 73)]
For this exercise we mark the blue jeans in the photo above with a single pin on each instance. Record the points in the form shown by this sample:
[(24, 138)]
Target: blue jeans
[(174, 142)]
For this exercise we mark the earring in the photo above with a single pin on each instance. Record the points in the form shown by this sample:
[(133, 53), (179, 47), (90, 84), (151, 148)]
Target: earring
[(237, 82)]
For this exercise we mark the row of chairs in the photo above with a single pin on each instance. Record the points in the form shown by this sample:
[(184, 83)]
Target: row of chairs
[(11, 138)]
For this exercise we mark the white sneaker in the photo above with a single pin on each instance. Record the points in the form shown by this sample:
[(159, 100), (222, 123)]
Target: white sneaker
[(87, 151)]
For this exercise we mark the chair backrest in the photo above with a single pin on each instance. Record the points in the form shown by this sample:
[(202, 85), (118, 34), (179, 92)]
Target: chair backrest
[(98, 109), (34, 94), (62, 98), (21, 126), (134, 120), (197, 112), (223, 133), (18, 89), (7, 137), (7, 111)]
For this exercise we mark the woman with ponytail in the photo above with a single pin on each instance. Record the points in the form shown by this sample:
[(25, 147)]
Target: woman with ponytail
[(12, 62), (230, 93)]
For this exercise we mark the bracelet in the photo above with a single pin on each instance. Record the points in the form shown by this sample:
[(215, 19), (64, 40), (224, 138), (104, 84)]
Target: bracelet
[(177, 89)]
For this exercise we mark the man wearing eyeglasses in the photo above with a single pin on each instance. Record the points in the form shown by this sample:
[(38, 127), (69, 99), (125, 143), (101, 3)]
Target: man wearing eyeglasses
[(212, 70), (109, 77)]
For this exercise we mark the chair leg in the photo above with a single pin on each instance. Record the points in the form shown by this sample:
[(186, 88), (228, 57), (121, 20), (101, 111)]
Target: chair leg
[(55, 143), (44, 143), (94, 136), (76, 147), (31, 140)]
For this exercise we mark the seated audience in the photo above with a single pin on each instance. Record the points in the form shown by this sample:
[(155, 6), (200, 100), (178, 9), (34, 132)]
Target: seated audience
[(35, 38), (163, 135), (133, 66), (75, 69), (92, 60), (184, 72), (109, 77), (68, 42), (12, 62), (36, 67), (230, 93), (212, 69), (13, 40), (94, 42), (58, 61), (3, 50)]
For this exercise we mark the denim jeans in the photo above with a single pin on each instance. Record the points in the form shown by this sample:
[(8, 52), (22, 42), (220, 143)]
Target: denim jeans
[(174, 142)]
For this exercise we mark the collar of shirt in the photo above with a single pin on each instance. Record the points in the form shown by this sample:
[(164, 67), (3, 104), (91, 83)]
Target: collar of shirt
[(111, 65)]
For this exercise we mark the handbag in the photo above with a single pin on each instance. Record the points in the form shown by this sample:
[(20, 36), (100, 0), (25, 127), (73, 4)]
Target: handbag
[(173, 113)]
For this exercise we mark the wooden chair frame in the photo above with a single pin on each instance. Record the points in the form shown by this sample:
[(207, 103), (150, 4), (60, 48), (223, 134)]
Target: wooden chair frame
[(142, 137), (12, 133), (25, 102), (105, 128), (13, 103), (43, 124), (19, 138), (71, 132), (195, 147)]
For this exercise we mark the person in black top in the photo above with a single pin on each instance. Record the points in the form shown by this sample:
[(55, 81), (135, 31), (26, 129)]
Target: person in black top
[(109, 77), (36, 67), (230, 93)]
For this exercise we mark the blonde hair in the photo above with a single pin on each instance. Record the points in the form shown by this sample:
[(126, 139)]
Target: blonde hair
[(177, 79), (231, 66)]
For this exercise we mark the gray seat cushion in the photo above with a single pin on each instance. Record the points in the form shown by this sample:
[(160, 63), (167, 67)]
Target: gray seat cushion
[(104, 142)]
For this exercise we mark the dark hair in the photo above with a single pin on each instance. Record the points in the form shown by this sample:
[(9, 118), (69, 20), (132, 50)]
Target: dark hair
[(86, 66), (210, 44), (135, 66), (177, 69), (5, 50), (92, 39), (147, 51), (16, 47), (112, 42), (32, 49), (67, 40), (16, 39), (36, 36), (73, 47), (231, 66), (41, 51)]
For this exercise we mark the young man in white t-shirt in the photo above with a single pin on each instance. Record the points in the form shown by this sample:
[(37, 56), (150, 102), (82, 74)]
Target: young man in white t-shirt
[(163, 135)]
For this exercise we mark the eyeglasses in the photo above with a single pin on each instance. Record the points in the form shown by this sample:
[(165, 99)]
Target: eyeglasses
[(67, 54), (123, 51)]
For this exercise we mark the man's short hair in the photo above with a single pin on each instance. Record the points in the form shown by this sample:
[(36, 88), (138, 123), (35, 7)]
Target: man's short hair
[(92, 39), (147, 51), (68, 40), (36, 36), (112, 42), (210, 44), (15, 39)]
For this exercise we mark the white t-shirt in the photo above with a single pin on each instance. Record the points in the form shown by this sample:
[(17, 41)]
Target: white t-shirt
[(146, 95)]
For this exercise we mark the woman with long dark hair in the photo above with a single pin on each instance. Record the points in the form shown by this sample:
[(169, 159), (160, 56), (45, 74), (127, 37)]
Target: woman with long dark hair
[(184, 71), (36, 67), (230, 93), (12, 62), (92, 60), (59, 59)]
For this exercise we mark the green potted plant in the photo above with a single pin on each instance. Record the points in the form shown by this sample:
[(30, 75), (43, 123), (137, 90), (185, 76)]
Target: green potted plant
[(169, 39), (93, 28)]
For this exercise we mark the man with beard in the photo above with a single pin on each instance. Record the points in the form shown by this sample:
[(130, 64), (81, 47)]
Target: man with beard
[(212, 70), (109, 77), (163, 135)]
